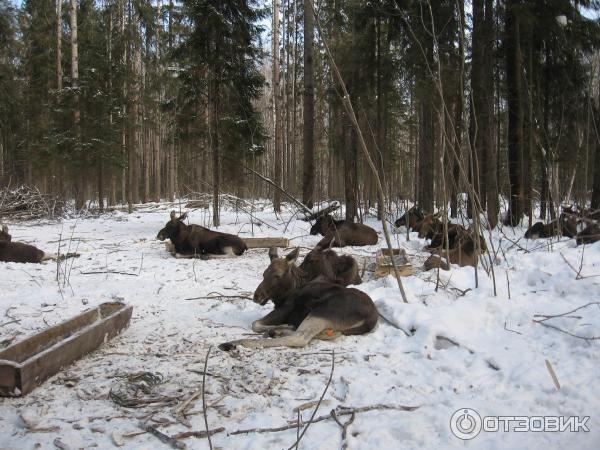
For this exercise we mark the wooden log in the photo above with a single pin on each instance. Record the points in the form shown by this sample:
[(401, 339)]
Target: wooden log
[(333, 206), (267, 242), (28, 363)]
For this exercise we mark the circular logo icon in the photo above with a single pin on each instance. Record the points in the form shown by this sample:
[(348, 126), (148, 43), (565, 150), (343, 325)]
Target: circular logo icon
[(465, 423)]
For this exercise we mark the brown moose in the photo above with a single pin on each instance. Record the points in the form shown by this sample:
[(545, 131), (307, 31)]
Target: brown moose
[(18, 251), (411, 218), (565, 225), (326, 265), (465, 251), (305, 310), (339, 233), (589, 235), (191, 240)]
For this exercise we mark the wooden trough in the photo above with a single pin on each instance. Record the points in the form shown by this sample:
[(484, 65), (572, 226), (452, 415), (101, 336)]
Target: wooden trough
[(267, 242), (384, 265), (28, 363)]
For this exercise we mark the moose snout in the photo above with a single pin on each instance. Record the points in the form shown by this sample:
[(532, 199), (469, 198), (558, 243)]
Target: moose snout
[(260, 295), (161, 236)]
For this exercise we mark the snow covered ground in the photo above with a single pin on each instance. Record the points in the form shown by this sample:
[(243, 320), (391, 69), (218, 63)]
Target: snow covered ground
[(498, 368)]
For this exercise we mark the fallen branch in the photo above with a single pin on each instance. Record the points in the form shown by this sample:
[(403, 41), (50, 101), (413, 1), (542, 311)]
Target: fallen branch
[(340, 411), (318, 404), (344, 426), (566, 315), (166, 439), (203, 399), (197, 434), (111, 272), (219, 296), (398, 327), (512, 331), (553, 375)]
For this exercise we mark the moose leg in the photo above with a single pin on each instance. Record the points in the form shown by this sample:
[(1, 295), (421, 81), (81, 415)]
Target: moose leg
[(308, 329), (274, 320), (213, 256), (49, 256), (170, 247)]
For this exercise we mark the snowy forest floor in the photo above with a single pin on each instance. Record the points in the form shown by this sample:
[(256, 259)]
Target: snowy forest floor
[(498, 368)]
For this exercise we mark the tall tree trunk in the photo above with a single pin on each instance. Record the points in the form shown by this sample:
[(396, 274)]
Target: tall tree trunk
[(595, 205), (59, 73), (458, 113), (277, 109), (515, 113), (491, 174), (171, 157), (308, 176), (133, 144), (79, 177), (479, 113), (158, 132), (213, 136), (427, 128), (350, 169)]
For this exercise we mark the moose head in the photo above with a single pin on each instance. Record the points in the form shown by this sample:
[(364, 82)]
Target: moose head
[(4, 236), (279, 278), (173, 227)]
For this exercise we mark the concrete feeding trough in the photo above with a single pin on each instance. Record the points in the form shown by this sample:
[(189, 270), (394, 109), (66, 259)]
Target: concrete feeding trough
[(28, 363)]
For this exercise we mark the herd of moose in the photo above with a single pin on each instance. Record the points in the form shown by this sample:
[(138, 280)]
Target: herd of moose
[(313, 300)]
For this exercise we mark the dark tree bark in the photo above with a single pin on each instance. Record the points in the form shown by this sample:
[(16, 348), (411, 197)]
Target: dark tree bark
[(350, 169), (596, 178), (515, 113), (214, 145), (458, 115), (277, 104), (477, 119), (491, 174), (308, 177), (427, 133)]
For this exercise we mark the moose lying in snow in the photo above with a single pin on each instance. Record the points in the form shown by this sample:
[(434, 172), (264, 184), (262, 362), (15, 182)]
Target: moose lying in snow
[(411, 218), (339, 233), (463, 252), (19, 252), (304, 309), (191, 240), (326, 265), (565, 225), (589, 234)]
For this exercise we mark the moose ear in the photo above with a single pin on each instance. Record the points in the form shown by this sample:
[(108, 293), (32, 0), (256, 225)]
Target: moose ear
[(173, 215), (183, 216), (293, 255), (273, 253)]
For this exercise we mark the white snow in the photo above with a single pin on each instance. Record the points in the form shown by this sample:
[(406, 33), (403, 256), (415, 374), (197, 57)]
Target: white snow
[(170, 334)]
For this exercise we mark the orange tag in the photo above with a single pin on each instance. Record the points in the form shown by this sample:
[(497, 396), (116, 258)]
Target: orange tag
[(329, 332)]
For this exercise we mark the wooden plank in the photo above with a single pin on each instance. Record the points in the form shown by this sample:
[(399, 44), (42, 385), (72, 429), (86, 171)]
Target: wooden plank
[(384, 263), (19, 375), (267, 242), (22, 350)]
